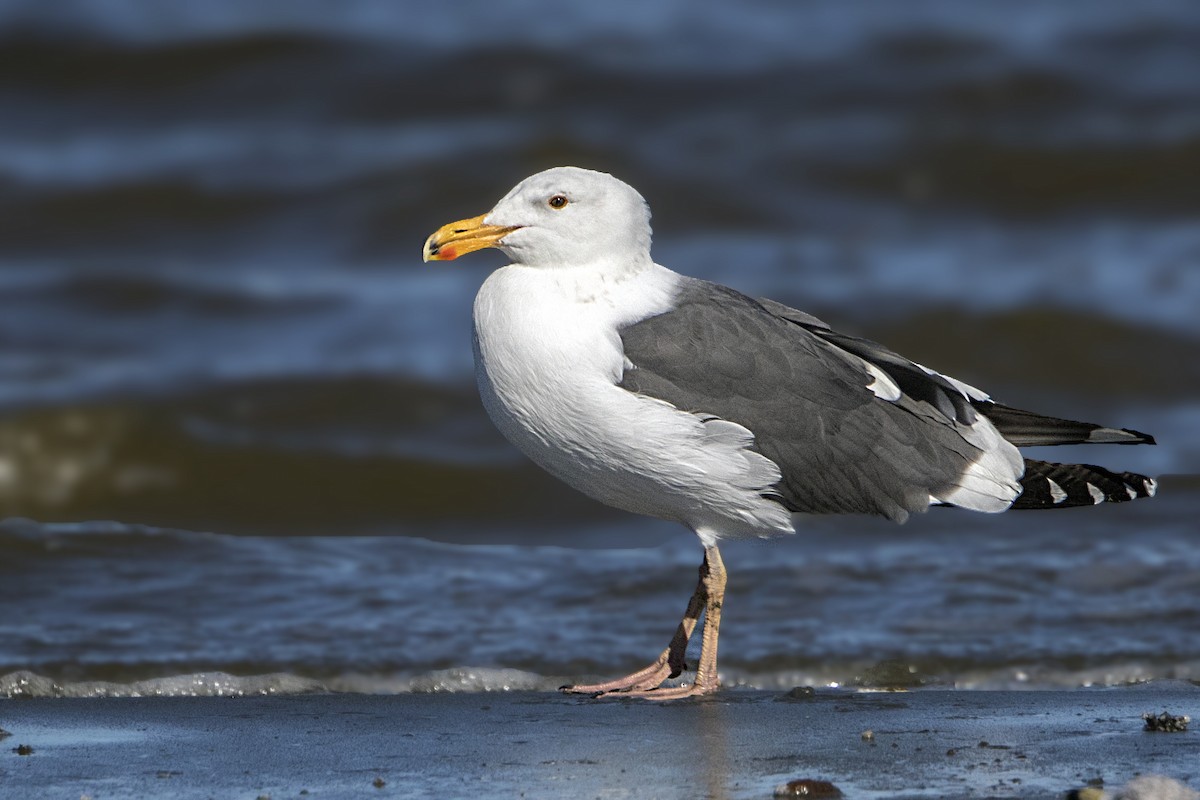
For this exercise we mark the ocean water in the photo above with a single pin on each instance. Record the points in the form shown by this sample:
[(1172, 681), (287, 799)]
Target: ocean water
[(240, 448)]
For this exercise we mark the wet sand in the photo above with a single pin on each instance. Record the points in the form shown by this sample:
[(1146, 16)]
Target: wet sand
[(741, 744)]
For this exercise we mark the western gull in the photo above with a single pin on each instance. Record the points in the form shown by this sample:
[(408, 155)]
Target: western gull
[(684, 400)]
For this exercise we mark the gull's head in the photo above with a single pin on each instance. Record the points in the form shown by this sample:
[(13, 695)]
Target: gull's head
[(563, 217)]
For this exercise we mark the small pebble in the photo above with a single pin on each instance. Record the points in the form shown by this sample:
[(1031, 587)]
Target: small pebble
[(379, 783), (1143, 787), (807, 787), (1156, 787), (1166, 723), (868, 736), (23, 750)]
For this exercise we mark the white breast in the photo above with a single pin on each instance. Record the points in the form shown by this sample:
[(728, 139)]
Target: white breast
[(548, 362)]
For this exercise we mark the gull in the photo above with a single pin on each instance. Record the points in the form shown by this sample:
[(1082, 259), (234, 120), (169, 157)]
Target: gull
[(684, 400)]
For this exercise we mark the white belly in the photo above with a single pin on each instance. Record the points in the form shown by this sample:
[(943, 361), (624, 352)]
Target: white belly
[(548, 361)]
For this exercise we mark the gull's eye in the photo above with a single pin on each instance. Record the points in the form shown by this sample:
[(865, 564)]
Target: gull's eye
[(558, 201)]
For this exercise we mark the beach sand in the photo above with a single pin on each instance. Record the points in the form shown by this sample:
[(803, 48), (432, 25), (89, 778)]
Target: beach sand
[(740, 744)]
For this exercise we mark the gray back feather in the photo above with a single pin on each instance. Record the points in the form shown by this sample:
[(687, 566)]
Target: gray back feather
[(802, 390)]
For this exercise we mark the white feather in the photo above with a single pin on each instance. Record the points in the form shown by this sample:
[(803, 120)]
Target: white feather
[(882, 385), (549, 361), (993, 481), (968, 391)]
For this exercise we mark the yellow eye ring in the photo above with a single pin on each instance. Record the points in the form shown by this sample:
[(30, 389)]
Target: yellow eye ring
[(557, 201)]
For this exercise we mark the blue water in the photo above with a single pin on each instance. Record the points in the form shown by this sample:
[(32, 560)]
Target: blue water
[(238, 431), (1017, 601)]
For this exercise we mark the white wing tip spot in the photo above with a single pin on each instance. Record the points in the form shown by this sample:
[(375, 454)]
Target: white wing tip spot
[(1097, 495), (1151, 486), (1057, 495), (882, 386), (969, 391)]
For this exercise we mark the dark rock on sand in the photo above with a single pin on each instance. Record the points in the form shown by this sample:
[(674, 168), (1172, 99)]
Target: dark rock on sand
[(806, 787), (1166, 723)]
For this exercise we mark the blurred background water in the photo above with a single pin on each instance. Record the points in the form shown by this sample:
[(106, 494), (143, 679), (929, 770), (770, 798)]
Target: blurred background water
[(238, 427)]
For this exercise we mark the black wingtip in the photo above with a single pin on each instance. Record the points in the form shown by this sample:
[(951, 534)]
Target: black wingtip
[(1119, 436), (1029, 429)]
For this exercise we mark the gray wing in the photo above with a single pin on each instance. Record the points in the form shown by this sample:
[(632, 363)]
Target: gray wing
[(1022, 428), (840, 447)]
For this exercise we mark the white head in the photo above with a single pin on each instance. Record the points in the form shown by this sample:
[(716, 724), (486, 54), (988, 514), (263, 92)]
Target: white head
[(563, 217)]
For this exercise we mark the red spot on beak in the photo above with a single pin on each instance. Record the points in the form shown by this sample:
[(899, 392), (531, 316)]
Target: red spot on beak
[(447, 253)]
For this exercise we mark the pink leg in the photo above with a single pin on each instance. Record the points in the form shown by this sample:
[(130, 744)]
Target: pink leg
[(708, 598)]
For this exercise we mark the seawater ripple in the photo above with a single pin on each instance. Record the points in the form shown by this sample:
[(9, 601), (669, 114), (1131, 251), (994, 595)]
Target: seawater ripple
[(952, 598)]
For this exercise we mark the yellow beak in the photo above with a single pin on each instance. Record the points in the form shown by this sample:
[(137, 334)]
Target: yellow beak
[(462, 237)]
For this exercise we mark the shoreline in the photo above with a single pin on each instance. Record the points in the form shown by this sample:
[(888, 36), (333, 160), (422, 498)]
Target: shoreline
[(922, 744)]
